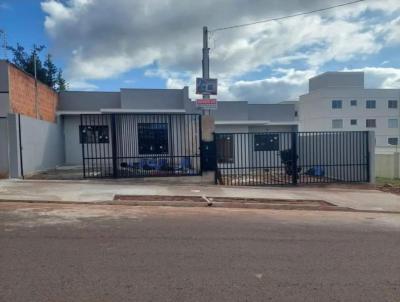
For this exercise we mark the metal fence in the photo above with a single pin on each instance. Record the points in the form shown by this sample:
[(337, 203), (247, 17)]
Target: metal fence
[(140, 145), (291, 157)]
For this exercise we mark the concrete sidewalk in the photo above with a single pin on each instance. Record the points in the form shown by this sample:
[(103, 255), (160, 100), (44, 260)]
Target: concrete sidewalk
[(103, 191)]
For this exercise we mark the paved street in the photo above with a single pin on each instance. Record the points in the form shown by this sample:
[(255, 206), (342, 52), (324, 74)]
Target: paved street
[(121, 253)]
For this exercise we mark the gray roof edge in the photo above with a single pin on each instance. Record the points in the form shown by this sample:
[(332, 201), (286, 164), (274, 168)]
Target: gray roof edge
[(336, 72)]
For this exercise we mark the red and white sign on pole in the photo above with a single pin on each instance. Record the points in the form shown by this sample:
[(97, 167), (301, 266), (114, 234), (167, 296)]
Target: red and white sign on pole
[(207, 104)]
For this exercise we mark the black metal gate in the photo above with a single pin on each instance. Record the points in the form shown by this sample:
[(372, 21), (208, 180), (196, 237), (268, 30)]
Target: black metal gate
[(140, 145), (291, 157)]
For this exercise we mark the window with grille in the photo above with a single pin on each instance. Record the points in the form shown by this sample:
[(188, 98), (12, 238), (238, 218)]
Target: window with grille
[(371, 104), (393, 123), (94, 135), (392, 104), (336, 104), (266, 142), (370, 123), (153, 138), (394, 141), (225, 149)]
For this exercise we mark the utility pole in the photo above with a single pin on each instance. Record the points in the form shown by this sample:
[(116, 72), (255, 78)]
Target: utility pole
[(36, 83), (206, 62)]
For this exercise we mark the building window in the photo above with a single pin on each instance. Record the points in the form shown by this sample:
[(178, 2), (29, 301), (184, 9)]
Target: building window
[(371, 104), (266, 142), (353, 122), (392, 104), (336, 104), (393, 123), (353, 103), (370, 123), (225, 149), (337, 124), (93, 135), (153, 138), (394, 141), (296, 114)]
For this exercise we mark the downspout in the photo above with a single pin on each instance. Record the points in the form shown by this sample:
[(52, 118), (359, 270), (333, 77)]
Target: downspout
[(20, 145)]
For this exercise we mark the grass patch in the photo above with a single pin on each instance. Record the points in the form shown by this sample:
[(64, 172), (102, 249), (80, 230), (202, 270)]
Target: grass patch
[(380, 181)]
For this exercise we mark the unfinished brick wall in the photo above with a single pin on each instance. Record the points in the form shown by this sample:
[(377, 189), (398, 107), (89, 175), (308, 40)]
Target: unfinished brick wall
[(25, 100)]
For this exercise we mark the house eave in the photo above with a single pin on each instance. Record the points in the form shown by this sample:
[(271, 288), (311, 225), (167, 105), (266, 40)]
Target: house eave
[(257, 123), (142, 110)]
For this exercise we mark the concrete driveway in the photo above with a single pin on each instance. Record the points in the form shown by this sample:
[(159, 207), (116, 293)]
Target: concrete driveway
[(97, 191)]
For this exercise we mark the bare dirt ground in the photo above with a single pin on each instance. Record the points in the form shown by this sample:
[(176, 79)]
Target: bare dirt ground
[(122, 253)]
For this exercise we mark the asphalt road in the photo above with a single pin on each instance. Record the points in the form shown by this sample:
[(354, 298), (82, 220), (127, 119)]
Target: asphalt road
[(118, 253)]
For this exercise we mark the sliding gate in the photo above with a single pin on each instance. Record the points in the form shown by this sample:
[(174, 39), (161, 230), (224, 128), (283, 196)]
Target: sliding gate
[(140, 145), (291, 158)]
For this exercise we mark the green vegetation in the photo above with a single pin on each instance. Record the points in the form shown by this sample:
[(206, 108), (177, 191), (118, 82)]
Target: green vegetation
[(381, 181), (46, 71)]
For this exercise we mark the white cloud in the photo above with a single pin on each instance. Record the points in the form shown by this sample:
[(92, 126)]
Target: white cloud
[(81, 85), (393, 32), (106, 38), (286, 85), (380, 77)]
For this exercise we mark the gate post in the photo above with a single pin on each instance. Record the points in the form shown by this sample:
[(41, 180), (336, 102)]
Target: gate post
[(371, 156), (207, 148), (114, 146), (294, 158)]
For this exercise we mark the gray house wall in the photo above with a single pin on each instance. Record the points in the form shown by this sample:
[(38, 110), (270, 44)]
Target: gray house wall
[(4, 164), (88, 101), (4, 88), (231, 111), (42, 145), (4, 104), (166, 99), (272, 112), (3, 76), (73, 149), (151, 99), (13, 146), (337, 79)]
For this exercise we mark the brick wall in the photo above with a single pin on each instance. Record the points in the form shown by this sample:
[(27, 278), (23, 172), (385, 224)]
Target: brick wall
[(23, 98)]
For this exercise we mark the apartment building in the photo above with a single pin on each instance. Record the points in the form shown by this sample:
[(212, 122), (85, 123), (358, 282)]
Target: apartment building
[(339, 101)]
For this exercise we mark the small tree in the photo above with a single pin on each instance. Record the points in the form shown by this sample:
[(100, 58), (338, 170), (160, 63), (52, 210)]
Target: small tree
[(61, 84), (20, 57), (46, 72), (34, 58), (51, 71)]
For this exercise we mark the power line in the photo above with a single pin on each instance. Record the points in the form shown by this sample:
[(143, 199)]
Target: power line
[(286, 17)]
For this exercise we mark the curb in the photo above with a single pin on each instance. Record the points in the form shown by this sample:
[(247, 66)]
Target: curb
[(197, 204)]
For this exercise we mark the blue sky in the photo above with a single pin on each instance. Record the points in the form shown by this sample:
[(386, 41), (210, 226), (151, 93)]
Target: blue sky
[(107, 45)]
